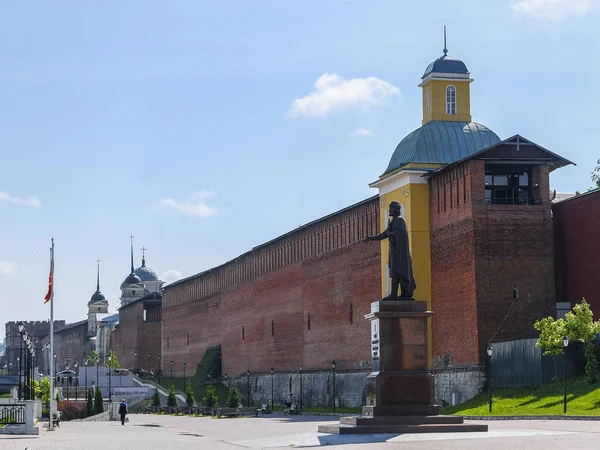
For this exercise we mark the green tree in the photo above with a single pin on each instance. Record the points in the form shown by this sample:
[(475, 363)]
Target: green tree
[(93, 357), (98, 402), (45, 390), (189, 394), (596, 174), (89, 407), (112, 362), (577, 325), (172, 398), (210, 399), (233, 397), (156, 398)]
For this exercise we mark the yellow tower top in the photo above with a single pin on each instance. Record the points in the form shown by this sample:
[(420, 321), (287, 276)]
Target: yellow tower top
[(446, 90)]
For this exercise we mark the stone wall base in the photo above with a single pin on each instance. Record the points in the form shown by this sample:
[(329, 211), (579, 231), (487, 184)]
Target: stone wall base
[(454, 385)]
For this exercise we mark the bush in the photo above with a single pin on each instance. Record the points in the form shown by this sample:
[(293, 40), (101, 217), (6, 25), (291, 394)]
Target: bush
[(89, 406), (98, 402), (156, 399), (71, 410), (210, 399), (233, 397), (172, 398), (189, 395)]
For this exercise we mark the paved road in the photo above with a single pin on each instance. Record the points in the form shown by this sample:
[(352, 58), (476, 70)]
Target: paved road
[(149, 432)]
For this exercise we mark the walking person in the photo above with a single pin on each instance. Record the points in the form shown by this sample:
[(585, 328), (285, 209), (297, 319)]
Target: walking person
[(123, 411)]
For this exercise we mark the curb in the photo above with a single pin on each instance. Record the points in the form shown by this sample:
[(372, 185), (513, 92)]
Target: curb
[(531, 417)]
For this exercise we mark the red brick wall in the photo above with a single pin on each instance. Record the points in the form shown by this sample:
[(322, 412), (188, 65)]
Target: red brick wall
[(134, 335), (576, 238), (479, 252), (321, 271)]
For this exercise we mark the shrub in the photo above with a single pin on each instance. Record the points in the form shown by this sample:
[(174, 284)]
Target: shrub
[(89, 406), (233, 397), (156, 399), (210, 399), (172, 398), (98, 402), (71, 410), (189, 395)]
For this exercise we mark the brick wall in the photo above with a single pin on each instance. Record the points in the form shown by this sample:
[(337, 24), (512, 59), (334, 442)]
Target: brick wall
[(576, 238), (479, 252), (133, 334), (288, 303)]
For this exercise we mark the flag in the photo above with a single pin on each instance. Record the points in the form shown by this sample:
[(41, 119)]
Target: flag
[(48, 296)]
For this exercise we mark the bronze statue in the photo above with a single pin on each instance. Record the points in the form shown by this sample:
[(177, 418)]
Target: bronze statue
[(399, 261)]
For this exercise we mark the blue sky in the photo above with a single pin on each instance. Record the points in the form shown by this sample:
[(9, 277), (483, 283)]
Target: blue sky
[(208, 127)]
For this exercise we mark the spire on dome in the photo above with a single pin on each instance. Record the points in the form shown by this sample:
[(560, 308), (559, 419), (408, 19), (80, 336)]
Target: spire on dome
[(445, 46), (98, 277), (144, 256), (131, 237)]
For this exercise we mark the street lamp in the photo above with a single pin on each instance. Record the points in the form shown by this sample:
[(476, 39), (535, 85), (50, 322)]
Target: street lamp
[(565, 345), (86, 363), (333, 364), (76, 380), (19, 361), (300, 370), (184, 365), (171, 363), (490, 352), (248, 388), (109, 378), (272, 373), (135, 361), (149, 368), (159, 369)]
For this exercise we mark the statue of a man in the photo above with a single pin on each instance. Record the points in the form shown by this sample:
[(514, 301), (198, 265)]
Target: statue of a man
[(399, 261)]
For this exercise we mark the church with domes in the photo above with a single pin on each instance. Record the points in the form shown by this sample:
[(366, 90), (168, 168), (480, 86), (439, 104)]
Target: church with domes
[(140, 282)]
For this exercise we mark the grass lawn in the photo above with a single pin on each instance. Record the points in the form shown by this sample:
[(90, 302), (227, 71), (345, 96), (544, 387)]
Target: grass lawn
[(582, 400)]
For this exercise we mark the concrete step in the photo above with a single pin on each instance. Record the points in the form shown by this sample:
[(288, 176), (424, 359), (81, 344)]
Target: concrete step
[(402, 429), (400, 420)]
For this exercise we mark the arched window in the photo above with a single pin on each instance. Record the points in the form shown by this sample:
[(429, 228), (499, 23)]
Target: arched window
[(450, 100), (426, 102)]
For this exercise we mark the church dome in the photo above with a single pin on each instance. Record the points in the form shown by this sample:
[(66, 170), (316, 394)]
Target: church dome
[(442, 142), (446, 64), (97, 297), (146, 274), (132, 278)]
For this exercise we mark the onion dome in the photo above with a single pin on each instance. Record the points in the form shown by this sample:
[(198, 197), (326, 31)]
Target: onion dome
[(145, 273)]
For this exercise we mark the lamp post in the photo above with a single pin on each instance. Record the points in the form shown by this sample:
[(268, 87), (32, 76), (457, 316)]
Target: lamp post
[(272, 373), (565, 345), (248, 388), (149, 368), (333, 364), (19, 361), (109, 378), (490, 352), (135, 361), (159, 369), (26, 367), (86, 363), (55, 371), (21, 329), (67, 361), (300, 370), (184, 365), (76, 380), (171, 363)]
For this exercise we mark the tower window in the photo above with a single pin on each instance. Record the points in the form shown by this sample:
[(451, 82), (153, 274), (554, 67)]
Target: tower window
[(450, 100), (426, 102)]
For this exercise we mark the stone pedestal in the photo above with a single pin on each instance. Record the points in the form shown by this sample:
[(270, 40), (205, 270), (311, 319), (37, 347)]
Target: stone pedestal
[(400, 389)]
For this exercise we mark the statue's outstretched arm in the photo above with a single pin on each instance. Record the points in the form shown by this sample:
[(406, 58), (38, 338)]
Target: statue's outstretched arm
[(377, 237)]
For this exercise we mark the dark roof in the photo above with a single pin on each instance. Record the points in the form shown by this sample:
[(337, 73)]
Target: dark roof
[(558, 161), (441, 142), (577, 196), (71, 325), (132, 278), (283, 236), (446, 64), (146, 274), (97, 297)]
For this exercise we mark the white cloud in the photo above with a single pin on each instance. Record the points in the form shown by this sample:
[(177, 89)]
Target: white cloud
[(552, 9), (333, 93), (7, 268), (32, 200), (197, 206), (171, 275), (361, 132)]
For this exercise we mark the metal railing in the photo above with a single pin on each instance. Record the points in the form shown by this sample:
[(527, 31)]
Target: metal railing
[(513, 201), (12, 414)]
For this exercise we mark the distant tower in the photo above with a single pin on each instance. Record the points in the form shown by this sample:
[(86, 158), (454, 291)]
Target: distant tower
[(132, 288), (148, 276), (97, 305)]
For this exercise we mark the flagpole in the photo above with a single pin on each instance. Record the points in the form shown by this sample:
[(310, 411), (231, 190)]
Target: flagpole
[(52, 400)]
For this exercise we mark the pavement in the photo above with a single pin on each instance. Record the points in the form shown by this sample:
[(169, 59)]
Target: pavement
[(147, 431)]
